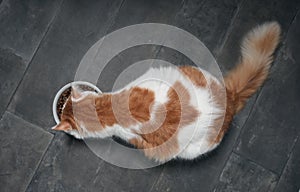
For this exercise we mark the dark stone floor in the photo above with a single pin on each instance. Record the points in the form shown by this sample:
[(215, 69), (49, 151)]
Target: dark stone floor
[(41, 45)]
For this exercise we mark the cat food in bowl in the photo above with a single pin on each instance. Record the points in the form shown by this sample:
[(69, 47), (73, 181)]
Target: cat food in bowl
[(63, 94)]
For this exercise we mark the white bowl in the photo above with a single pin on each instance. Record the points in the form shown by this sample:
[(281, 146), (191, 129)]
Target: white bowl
[(54, 105)]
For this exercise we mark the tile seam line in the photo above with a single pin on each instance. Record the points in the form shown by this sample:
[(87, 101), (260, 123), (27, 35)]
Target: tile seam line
[(230, 28), (233, 20), (113, 20), (158, 178), (31, 123), (34, 54), (46, 148), (256, 163), (158, 51), (199, 8), (292, 21), (286, 162), (39, 163)]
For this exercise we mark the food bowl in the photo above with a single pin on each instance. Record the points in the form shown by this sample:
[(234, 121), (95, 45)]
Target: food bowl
[(63, 94)]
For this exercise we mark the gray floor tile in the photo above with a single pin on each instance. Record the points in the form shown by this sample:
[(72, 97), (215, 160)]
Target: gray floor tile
[(240, 174), (143, 11), (251, 14), (207, 20), (68, 165), (23, 26), (115, 179), (77, 26), (199, 18), (289, 180), (12, 68), (104, 175), (24, 23), (22, 148)]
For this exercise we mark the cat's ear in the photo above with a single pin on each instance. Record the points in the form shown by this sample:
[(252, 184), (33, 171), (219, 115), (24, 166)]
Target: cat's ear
[(76, 93), (62, 126)]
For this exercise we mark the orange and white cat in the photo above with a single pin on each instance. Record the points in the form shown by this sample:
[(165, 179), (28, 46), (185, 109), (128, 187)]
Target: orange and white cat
[(174, 112)]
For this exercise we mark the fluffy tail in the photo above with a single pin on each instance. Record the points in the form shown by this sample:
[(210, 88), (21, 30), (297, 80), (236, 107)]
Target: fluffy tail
[(257, 55)]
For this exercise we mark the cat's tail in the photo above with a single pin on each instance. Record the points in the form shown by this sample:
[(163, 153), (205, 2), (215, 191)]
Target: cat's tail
[(257, 47)]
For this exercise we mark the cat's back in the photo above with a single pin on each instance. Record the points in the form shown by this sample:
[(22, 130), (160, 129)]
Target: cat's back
[(196, 82), (159, 80), (188, 90)]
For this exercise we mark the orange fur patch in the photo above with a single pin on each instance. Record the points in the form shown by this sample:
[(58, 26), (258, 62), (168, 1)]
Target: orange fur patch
[(125, 108), (130, 107), (194, 75), (217, 128), (221, 124), (162, 143), (97, 112), (140, 101)]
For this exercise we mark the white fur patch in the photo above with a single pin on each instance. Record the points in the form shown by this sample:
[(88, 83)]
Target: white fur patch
[(192, 138)]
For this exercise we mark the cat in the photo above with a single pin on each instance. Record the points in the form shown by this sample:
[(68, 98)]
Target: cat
[(184, 118)]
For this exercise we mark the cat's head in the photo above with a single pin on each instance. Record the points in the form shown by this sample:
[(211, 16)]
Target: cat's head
[(79, 106)]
